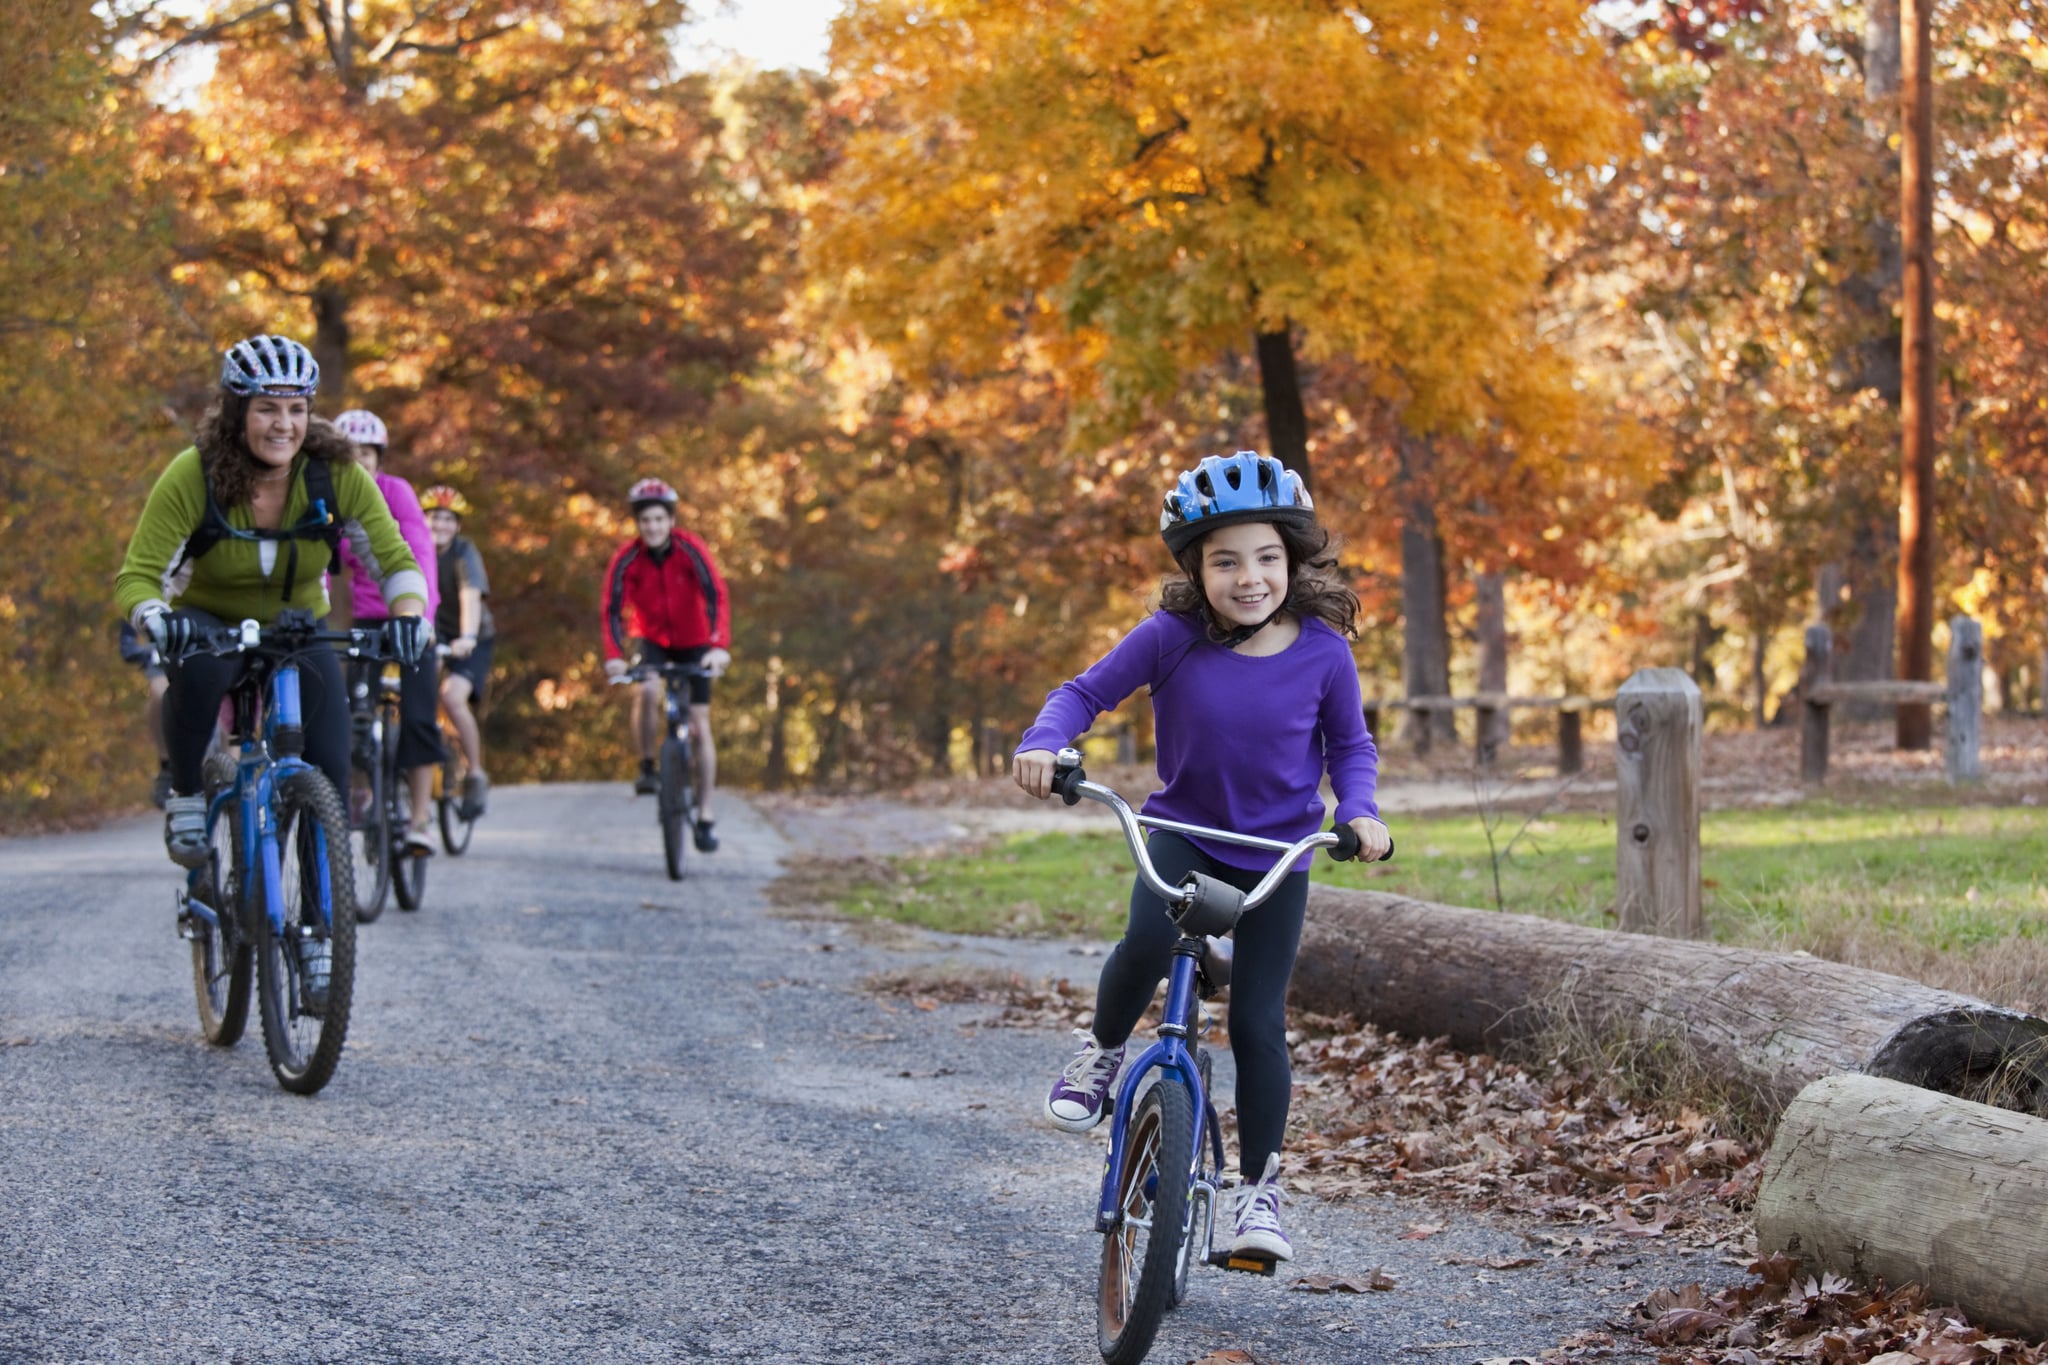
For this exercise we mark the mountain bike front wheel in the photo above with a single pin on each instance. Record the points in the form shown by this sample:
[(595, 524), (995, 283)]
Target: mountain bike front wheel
[(370, 821), (1141, 1254), (222, 959), (303, 1026), (675, 804), (456, 827), (408, 865)]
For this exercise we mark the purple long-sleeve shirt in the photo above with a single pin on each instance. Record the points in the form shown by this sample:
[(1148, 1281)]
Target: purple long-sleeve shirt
[(1243, 740), (412, 524)]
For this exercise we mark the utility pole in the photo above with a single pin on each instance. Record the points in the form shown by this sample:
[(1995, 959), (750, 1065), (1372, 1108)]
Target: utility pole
[(1916, 399)]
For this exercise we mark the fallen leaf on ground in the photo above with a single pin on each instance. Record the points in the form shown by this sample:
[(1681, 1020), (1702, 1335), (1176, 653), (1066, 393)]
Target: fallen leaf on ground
[(1415, 1232)]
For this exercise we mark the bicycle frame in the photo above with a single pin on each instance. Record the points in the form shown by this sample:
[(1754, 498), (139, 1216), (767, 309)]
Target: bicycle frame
[(271, 739)]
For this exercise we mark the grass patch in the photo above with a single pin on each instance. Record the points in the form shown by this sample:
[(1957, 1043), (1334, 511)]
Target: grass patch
[(1897, 889)]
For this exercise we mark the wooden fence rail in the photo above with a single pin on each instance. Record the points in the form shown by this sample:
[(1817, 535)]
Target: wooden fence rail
[(1571, 711), (1962, 695)]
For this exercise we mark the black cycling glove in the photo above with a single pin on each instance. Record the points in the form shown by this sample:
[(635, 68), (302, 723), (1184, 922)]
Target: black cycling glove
[(172, 634), (408, 638)]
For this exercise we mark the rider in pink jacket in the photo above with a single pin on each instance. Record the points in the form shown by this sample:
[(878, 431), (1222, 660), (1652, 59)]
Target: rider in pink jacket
[(412, 524), (419, 731)]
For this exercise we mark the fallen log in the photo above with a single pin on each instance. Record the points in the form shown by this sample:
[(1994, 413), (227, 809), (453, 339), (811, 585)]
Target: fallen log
[(1873, 1179), (1769, 1023)]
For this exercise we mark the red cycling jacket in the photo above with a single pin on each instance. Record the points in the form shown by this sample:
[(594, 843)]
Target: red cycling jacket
[(674, 598)]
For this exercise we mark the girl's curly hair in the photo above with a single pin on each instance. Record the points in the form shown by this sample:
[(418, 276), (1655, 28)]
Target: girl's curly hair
[(1314, 585), (231, 467)]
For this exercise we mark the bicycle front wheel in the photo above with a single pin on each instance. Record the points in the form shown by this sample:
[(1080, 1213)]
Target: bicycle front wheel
[(304, 1024), (408, 865), (1141, 1254), (675, 803), (455, 826), (222, 960), (1194, 1226), (370, 822)]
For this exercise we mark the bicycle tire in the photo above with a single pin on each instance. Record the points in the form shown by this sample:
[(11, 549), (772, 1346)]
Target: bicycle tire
[(223, 961), (372, 836), (409, 879), (1205, 1064), (673, 804), (455, 828), (408, 869), (305, 1045), (1140, 1254)]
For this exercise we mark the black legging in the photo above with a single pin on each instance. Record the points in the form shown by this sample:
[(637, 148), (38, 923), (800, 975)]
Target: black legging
[(1264, 960), (200, 681), (419, 708)]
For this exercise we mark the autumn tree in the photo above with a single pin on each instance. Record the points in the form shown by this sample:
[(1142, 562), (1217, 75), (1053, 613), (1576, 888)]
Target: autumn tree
[(89, 349)]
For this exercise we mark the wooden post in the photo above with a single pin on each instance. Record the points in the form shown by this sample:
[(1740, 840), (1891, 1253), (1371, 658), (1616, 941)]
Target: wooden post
[(1372, 720), (1813, 726), (1965, 699), (1127, 744), (1491, 732), (1571, 745), (1657, 772), (1875, 1179)]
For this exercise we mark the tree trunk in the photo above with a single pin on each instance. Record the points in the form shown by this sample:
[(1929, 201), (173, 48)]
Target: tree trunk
[(1873, 1179), (938, 718), (775, 775), (1868, 651), (1492, 628), (1770, 1022), (1425, 638), (330, 344), (1286, 418), (1916, 406)]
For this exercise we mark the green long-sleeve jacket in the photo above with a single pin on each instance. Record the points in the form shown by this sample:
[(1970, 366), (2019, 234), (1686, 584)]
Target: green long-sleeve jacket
[(244, 579)]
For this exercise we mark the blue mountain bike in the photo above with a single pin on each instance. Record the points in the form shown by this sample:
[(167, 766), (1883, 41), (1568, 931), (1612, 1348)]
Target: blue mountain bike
[(275, 898), (1163, 1174)]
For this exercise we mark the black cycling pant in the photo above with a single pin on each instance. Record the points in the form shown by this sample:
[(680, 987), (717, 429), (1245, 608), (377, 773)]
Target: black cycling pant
[(200, 682), (419, 709), (1266, 941), (649, 653)]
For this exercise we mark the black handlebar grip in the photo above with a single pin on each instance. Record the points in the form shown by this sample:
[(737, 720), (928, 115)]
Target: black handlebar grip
[(1067, 775), (1346, 847)]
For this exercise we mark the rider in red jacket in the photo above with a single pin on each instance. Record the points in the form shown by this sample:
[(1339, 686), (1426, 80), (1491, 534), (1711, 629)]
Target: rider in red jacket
[(665, 602)]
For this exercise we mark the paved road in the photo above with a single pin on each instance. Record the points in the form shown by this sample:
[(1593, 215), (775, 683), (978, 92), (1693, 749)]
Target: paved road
[(589, 1115)]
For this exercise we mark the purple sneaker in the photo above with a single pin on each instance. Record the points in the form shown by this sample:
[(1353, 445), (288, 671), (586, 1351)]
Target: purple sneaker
[(1080, 1096), (1255, 1210)]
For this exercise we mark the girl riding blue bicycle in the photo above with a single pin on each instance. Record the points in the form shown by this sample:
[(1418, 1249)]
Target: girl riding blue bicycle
[(1255, 696)]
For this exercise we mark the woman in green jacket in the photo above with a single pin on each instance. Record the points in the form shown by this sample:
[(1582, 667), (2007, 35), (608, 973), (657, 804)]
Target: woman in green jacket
[(242, 525)]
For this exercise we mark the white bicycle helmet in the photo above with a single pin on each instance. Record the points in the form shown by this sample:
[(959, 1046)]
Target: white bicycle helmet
[(363, 427), (651, 492), (271, 365)]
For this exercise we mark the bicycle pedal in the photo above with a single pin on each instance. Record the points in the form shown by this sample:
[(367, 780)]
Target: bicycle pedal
[(1249, 1264)]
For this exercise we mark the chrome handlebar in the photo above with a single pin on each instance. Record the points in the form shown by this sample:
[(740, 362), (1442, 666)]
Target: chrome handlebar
[(1071, 784)]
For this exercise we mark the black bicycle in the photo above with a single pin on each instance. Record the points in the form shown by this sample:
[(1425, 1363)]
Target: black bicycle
[(676, 796), (380, 801)]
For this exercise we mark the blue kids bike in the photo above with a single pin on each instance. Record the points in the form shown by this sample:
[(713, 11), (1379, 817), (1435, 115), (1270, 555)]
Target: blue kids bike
[(1163, 1175), (275, 898)]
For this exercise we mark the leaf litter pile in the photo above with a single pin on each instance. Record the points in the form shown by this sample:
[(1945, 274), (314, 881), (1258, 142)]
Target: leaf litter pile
[(1375, 1113)]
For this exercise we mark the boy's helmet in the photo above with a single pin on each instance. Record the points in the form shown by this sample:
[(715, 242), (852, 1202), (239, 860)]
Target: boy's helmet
[(271, 365), (1224, 490), (648, 492), (442, 498), (363, 427)]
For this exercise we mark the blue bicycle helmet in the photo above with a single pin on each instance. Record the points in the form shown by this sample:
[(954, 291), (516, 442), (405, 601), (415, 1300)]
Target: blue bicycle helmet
[(272, 365), (1224, 490)]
